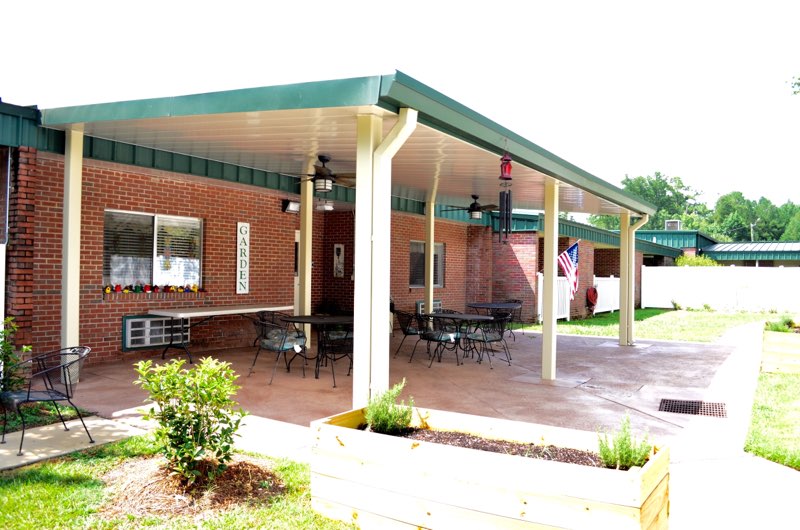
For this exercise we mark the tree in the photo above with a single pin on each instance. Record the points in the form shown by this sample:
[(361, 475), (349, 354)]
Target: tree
[(671, 197), (792, 232), (796, 85)]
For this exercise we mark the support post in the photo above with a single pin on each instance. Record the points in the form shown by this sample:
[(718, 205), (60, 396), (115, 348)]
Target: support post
[(373, 253), (71, 240), (549, 334), (624, 277)]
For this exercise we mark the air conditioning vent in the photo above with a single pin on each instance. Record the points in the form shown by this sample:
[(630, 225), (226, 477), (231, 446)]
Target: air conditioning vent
[(672, 224), (146, 332)]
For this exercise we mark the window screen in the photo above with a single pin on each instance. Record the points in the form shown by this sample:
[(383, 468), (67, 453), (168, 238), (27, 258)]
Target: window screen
[(417, 264), (177, 251), (141, 249)]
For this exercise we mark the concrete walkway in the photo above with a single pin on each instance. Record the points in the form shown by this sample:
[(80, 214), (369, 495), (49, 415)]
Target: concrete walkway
[(713, 483)]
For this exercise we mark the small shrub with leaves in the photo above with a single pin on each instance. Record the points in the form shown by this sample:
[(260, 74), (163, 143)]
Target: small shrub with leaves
[(384, 415), (10, 379), (784, 325), (195, 415), (623, 451)]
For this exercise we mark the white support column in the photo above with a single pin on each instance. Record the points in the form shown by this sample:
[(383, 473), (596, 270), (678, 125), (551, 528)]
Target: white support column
[(373, 253), (304, 254), (629, 322), (71, 241), (624, 275), (369, 133), (430, 239), (549, 334)]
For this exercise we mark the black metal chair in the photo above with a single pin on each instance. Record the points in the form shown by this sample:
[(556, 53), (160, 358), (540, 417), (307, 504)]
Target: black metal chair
[(335, 342), (489, 333), (445, 334), (50, 376), (516, 315), (410, 326), (281, 338)]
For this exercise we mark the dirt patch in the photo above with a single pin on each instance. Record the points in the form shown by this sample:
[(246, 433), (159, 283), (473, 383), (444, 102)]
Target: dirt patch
[(544, 452), (142, 487)]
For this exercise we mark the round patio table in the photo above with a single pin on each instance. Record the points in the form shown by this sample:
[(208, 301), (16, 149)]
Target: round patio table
[(492, 306), (321, 322)]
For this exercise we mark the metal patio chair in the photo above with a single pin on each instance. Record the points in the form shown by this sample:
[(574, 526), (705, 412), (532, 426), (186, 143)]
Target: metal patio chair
[(410, 326), (49, 377), (487, 335), (281, 338), (335, 342)]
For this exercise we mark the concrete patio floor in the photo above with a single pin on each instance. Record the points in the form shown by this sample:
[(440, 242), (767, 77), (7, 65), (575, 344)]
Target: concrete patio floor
[(713, 482)]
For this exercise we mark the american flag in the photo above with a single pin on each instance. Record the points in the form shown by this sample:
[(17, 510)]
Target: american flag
[(569, 264)]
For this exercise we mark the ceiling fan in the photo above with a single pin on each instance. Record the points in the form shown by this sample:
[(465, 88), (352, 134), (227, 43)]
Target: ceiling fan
[(324, 178), (475, 209)]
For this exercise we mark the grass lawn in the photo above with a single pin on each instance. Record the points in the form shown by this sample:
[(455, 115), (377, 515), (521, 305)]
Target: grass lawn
[(663, 324), (66, 493), (775, 428)]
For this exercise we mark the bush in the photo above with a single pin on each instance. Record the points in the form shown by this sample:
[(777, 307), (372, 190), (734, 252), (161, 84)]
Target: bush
[(784, 325), (10, 378), (195, 415), (695, 261), (383, 413), (623, 451)]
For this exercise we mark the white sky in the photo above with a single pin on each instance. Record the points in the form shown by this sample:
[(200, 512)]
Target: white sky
[(696, 89)]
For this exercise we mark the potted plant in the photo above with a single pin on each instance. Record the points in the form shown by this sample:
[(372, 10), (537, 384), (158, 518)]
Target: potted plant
[(781, 346), (378, 480)]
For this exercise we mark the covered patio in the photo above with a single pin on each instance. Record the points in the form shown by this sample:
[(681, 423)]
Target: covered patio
[(395, 138)]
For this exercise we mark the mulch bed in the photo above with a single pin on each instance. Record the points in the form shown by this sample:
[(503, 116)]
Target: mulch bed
[(142, 487), (544, 452)]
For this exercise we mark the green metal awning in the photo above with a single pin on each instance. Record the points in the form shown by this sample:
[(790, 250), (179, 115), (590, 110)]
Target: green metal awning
[(754, 251), (245, 135)]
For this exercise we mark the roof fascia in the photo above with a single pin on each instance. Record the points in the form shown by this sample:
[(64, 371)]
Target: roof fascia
[(319, 94)]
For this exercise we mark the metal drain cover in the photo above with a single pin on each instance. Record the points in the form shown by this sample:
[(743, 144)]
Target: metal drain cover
[(698, 408)]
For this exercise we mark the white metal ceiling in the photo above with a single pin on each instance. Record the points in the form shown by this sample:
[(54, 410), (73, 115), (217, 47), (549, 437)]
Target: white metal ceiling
[(286, 141)]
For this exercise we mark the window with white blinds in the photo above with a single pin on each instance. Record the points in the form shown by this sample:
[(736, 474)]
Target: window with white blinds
[(416, 266), (140, 249)]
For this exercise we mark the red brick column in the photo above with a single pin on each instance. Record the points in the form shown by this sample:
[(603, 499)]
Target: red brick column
[(19, 272)]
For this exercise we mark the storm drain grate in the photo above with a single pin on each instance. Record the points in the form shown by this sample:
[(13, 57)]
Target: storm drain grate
[(698, 408)]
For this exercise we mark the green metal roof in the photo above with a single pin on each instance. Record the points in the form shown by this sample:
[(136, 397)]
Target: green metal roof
[(676, 238), (162, 122), (751, 251)]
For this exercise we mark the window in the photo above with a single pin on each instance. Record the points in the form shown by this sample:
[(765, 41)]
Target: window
[(140, 249), (416, 266)]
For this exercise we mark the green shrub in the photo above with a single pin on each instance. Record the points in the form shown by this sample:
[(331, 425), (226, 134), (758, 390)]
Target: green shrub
[(383, 413), (784, 325), (695, 261), (623, 451), (195, 415), (9, 357)]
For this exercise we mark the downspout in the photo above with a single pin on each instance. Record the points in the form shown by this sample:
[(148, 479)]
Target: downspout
[(631, 291)]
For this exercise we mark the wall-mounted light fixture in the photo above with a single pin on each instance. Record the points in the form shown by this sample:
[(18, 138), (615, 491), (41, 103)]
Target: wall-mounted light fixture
[(289, 206)]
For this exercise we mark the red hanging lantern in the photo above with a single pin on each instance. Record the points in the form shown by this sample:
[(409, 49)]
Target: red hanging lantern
[(505, 167)]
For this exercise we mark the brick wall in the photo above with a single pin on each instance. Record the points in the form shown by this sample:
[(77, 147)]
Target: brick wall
[(220, 205), (20, 250), (410, 227), (515, 265)]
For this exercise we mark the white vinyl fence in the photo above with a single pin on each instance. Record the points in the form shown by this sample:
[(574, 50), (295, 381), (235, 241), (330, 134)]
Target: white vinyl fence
[(607, 295), (722, 288)]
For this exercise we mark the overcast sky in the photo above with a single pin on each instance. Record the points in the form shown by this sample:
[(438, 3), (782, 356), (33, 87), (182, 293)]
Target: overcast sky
[(695, 89)]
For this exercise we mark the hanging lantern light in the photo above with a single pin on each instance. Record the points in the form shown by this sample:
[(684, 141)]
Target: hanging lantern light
[(505, 167)]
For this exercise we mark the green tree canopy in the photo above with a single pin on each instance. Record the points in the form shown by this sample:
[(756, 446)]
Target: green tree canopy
[(671, 197)]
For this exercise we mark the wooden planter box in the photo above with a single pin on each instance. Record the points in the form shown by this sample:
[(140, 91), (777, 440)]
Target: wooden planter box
[(380, 481), (781, 352)]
